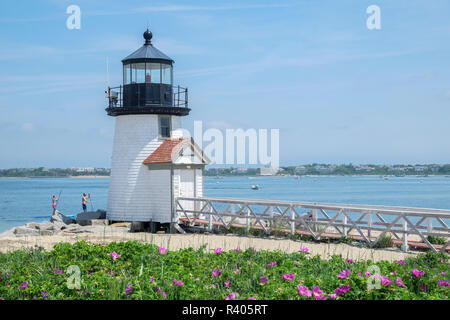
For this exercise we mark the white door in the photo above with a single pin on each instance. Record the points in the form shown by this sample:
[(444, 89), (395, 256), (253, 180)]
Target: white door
[(187, 188)]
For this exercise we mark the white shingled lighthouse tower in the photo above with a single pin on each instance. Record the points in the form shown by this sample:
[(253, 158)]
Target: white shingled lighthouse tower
[(152, 163)]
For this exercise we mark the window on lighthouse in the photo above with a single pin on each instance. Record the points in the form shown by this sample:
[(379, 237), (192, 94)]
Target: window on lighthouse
[(153, 73), (164, 126), (166, 71)]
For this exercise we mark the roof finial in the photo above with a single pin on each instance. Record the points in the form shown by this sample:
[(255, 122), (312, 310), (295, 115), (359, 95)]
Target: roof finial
[(148, 36)]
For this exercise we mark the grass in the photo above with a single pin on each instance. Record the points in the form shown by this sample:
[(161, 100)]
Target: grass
[(143, 272)]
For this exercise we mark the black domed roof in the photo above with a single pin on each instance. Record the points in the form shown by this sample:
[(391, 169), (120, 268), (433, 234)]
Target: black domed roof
[(147, 51)]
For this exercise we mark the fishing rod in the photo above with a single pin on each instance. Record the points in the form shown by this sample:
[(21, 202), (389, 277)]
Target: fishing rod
[(90, 200), (59, 197)]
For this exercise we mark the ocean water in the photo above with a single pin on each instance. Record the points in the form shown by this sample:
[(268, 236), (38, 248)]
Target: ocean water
[(24, 200)]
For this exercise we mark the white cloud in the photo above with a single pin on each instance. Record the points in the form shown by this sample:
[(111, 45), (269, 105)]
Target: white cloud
[(27, 127), (184, 8)]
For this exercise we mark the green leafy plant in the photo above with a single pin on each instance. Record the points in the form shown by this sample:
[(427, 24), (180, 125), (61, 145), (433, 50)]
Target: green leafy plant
[(133, 270), (436, 240)]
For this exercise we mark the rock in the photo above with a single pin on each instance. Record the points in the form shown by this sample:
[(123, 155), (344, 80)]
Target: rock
[(33, 225), (46, 232), (57, 226), (90, 215), (79, 230), (8, 233), (58, 216), (85, 218), (46, 226), (25, 231), (96, 222)]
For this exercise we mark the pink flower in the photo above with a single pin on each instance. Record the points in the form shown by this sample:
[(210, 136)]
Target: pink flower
[(218, 250), (128, 290), (443, 273), (251, 298), (213, 286), (303, 291), (178, 282), (115, 255), (399, 282), (262, 280), (164, 295), (24, 285), (237, 250), (288, 276), (367, 274), (350, 260), (444, 283), (417, 273), (151, 280), (274, 263), (332, 296), (344, 274), (216, 272), (162, 250), (385, 281), (320, 297), (401, 262), (316, 291), (231, 296), (342, 290), (227, 283), (303, 250), (59, 271)]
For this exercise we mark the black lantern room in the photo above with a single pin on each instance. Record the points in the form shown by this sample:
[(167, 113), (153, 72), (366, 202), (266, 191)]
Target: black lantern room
[(147, 85)]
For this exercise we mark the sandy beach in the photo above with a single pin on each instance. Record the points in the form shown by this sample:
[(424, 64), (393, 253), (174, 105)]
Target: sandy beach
[(106, 234)]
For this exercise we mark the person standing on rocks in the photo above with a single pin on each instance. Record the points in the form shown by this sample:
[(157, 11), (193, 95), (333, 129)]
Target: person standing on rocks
[(84, 202), (54, 201)]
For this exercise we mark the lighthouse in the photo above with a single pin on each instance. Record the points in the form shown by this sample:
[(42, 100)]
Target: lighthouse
[(152, 162)]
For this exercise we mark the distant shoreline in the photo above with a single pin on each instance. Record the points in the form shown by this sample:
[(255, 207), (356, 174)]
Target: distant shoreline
[(52, 177), (251, 176)]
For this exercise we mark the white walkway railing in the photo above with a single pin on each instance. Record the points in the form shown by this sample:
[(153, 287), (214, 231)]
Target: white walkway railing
[(320, 220)]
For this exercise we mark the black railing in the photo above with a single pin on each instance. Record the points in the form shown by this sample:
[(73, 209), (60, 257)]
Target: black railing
[(145, 95)]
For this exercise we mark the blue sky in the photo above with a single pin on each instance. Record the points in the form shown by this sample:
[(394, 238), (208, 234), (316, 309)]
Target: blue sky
[(338, 92)]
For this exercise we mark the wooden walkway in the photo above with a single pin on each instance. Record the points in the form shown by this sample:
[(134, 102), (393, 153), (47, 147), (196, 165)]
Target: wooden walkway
[(369, 223)]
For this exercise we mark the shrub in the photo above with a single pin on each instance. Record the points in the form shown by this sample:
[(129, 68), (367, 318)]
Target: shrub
[(436, 240)]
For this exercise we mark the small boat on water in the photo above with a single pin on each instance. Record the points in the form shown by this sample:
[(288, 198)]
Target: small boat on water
[(255, 187)]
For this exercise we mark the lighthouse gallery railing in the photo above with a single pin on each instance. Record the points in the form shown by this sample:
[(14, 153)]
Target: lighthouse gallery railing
[(369, 223), (179, 97)]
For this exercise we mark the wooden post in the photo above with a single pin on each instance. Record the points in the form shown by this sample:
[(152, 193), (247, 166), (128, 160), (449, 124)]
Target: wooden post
[(344, 220), (429, 225), (271, 217), (292, 222), (369, 225), (405, 236), (210, 225), (315, 219), (248, 220)]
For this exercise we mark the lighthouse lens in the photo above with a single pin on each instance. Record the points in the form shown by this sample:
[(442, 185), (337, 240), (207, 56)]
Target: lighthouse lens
[(153, 72)]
